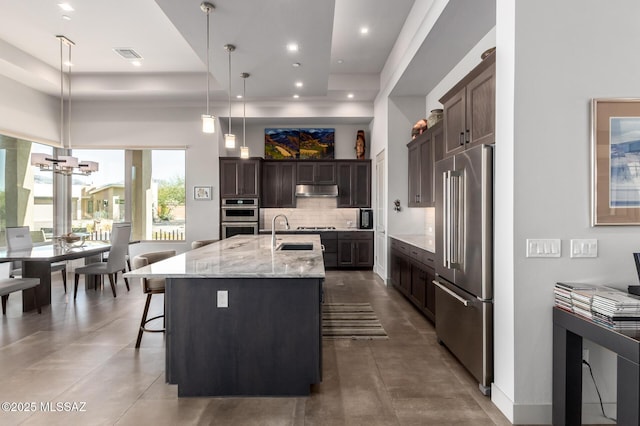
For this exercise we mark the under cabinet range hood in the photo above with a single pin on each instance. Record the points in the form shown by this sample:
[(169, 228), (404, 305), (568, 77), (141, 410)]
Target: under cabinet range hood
[(317, 191)]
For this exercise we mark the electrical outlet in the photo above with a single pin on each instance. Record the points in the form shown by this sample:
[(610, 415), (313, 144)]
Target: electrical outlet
[(223, 299), (585, 354)]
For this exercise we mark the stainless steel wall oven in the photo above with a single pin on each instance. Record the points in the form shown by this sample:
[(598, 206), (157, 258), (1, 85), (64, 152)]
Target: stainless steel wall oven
[(239, 216)]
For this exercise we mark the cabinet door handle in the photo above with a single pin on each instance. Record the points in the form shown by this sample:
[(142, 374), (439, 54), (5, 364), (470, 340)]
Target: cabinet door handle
[(467, 138), (461, 138)]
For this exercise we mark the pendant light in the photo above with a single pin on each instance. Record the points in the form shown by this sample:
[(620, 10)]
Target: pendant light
[(229, 138), (208, 120), (64, 164), (244, 149)]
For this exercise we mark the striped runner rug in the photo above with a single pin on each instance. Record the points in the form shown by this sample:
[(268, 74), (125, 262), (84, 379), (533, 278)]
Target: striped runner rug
[(351, 321)]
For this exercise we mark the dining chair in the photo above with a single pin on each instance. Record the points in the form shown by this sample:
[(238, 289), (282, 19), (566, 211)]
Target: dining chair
[(116, 262), (20, 238), (10, 285), (150, 286)]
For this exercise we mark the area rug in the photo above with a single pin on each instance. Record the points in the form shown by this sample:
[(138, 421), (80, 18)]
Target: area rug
[(351, 321)]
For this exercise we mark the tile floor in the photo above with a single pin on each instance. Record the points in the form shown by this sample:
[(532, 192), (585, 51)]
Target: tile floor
[(84, 353)]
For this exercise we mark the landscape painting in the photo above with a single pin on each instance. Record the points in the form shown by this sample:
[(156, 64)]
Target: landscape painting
[(313, 143), (625, 162), (281, 144)]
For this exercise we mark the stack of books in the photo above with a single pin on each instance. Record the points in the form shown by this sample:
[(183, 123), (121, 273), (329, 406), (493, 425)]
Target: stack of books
[(575, 297), (616, 309)]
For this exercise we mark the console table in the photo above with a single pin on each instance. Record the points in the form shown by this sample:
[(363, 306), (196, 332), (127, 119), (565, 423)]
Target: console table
[(568, 331)]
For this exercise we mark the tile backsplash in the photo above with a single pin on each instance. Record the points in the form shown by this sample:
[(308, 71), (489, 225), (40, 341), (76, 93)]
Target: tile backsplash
[(430, 228), (312, 212)]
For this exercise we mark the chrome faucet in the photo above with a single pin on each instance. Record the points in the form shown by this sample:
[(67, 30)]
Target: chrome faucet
[(273, 228)]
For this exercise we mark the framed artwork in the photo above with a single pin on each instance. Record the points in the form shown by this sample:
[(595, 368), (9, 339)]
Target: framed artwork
[(615, 176), (201, 192), (310, 143)]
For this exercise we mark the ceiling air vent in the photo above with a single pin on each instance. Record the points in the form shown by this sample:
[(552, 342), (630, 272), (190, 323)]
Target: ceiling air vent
[(127, 53)]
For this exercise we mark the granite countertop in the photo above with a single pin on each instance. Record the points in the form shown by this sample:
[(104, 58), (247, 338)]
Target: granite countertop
[(425, 242), (242, 256)]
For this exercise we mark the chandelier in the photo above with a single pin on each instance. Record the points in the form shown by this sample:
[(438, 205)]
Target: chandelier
[(64, 164)]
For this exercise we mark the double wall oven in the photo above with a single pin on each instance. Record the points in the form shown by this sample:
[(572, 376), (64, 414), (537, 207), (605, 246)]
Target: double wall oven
[(239, 216)]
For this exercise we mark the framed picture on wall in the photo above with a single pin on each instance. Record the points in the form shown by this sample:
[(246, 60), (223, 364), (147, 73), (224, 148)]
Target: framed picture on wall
[(615, 141), (201, 192), (308, 143)]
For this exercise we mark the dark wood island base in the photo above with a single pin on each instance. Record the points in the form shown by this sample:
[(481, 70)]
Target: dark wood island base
[(267, 342)]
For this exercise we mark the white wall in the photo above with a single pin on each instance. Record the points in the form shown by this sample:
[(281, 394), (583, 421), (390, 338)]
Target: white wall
[(28, 114), (158, 125), (583, 50)]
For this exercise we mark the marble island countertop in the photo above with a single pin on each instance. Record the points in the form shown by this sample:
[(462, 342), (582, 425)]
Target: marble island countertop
[(242, 256)]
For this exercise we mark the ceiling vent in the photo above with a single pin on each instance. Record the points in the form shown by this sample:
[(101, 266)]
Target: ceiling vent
[(127, 53)]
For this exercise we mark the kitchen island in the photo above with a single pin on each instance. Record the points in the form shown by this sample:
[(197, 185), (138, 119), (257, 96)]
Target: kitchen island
[(243, 318)]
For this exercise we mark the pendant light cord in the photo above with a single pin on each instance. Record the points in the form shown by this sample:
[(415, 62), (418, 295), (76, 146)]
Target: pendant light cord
[(208, 61), (69, 101), (230, 49), (244, 110), (61, 97)]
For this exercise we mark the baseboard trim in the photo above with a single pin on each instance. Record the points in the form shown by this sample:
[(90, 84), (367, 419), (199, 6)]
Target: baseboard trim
[(518, 414)]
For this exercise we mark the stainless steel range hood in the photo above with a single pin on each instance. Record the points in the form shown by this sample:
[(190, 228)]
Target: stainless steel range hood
[(317, 191)]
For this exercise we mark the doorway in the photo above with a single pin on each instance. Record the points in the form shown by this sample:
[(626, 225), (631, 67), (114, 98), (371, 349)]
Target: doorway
[(380, 217)]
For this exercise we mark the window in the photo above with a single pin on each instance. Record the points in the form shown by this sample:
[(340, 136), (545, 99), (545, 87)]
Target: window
[(92, 206), (26, 193), (151, 196)]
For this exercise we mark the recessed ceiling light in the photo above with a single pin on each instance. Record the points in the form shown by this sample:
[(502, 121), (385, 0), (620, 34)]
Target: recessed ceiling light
[(296, 96), (66, 7), (340, 61), (66, 17), (292, 47), (350, 96), (68, 64), (239, 96), (296, 64), (136, 63), (364, 30), (298, 84)]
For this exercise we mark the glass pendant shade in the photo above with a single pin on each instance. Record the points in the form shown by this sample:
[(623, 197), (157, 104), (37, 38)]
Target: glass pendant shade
[(244, 152), (40, 160), (208, 123), (229, 141), (67, 161)]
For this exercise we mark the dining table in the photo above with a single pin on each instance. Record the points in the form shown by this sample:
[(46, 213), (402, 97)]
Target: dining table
[(37, 260)]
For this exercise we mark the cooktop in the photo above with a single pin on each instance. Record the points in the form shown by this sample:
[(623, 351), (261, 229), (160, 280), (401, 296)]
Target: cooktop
[(315, 228)]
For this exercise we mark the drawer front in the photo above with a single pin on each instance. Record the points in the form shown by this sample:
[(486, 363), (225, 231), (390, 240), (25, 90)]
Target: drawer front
[(355, 235)]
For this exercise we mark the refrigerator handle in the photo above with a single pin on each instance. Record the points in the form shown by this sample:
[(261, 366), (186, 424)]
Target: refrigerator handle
[(455, 224), (462, 300), (446, 218)]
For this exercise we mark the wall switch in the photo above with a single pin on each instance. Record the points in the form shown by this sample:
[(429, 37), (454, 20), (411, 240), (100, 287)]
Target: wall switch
[(223, 299), (544, 247), (584, 248)]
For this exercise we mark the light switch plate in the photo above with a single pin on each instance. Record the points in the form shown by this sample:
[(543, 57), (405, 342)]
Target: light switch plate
[(223, 299), (544, 247), (584, 248)]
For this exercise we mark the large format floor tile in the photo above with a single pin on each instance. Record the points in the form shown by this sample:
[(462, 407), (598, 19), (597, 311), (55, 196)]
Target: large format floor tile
[(83, 352)]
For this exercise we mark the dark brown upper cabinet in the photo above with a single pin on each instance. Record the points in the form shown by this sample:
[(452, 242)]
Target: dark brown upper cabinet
[(423, 153), (316, 173), (469, 109), (354, 183), (278, 184), (239, 178)]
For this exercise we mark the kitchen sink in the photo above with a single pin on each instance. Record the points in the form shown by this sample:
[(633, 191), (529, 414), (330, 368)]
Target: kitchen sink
[(296, 246)]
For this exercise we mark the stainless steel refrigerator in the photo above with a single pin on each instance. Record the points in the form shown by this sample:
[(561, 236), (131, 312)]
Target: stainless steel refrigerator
[(464, 259)]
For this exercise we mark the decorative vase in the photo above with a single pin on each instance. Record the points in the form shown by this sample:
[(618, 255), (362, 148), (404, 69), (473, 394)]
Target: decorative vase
[(435, 116)]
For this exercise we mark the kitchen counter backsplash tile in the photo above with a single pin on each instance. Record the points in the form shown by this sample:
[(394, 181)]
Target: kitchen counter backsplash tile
[(430, 230), (312, 212)]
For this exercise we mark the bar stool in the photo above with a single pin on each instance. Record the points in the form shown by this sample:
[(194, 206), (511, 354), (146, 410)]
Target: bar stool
[(150, 286)]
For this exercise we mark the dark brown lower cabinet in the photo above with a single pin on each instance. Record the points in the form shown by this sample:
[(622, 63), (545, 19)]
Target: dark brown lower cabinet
[(412, 274), (355, 249)]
